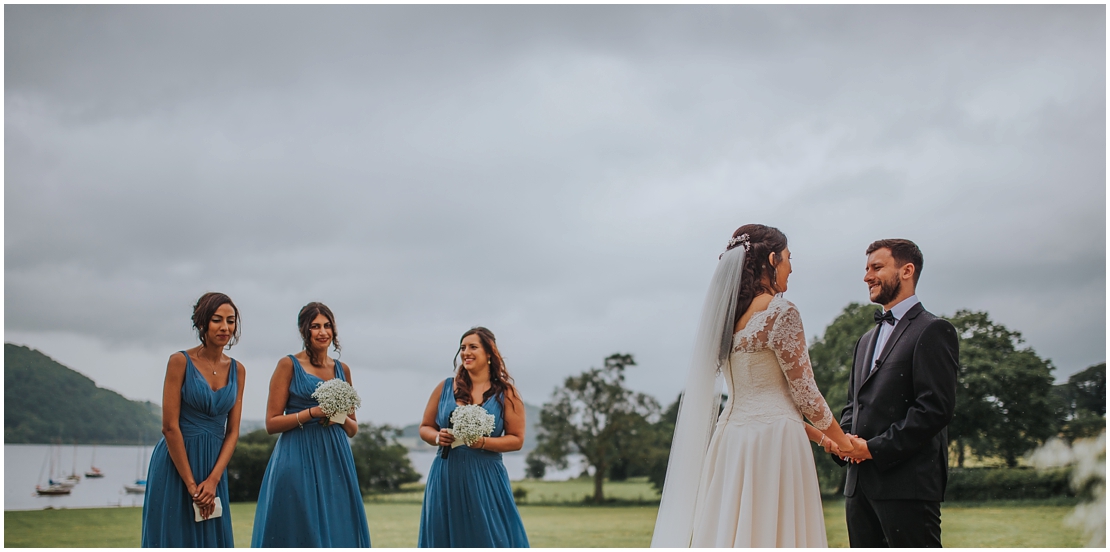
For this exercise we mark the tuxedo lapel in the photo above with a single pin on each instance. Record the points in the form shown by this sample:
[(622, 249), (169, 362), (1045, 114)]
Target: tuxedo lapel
[(863, 367), (891, 341)]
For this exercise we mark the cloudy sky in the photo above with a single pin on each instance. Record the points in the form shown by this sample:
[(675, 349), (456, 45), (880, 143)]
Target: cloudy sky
[(565, 176)]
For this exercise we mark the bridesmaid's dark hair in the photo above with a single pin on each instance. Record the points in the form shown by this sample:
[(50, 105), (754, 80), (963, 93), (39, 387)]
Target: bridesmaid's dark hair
[(763, 241), (304, 321), (499, 379), (204, 310)]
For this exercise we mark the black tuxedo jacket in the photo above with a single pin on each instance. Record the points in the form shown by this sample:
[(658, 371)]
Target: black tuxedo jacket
[(902, 409)]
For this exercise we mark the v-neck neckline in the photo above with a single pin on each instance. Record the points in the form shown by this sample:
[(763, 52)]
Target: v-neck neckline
[(483, 405), (204, 379), (307, 373)]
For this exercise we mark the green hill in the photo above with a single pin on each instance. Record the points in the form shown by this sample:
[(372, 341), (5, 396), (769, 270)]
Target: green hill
[(45, 401)]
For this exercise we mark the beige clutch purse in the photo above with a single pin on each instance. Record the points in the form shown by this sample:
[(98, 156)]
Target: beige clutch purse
[(216, 512)]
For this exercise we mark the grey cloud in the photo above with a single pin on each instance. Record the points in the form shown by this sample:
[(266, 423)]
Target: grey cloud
[(565, 175)]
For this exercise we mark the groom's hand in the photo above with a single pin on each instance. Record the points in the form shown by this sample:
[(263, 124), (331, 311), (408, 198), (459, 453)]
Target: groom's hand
[(860, 453)]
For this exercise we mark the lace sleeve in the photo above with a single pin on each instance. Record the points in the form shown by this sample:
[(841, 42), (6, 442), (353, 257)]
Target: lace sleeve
[(788, 340)]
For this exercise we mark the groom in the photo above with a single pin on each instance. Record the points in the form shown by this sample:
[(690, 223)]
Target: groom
[(901, 396)]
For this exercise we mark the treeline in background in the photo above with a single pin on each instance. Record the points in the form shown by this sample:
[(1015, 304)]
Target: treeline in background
[(1006, 406)]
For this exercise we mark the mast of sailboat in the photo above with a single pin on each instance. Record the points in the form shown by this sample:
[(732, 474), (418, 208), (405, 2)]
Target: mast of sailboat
[(45, 461)]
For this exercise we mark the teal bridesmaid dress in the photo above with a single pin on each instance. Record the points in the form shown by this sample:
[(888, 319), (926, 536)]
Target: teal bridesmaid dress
[(310, 496), (468, 501), (168, 518)]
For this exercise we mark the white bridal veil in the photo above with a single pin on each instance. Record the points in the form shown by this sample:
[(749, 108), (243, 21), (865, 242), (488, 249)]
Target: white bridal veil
[(698, 410)]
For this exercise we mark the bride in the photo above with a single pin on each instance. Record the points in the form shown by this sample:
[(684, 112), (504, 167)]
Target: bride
[(749, 480)]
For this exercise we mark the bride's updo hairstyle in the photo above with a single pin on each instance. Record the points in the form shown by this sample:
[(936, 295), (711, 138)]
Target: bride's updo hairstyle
[(500, 381), (759, 274), (304, 322)]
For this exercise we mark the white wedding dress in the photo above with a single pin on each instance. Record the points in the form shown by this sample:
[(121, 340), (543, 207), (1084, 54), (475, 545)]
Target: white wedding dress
[(758, 484)]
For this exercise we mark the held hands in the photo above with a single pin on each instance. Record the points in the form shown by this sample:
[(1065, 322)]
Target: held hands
[(859, 453), (839, 449), (830, 446)]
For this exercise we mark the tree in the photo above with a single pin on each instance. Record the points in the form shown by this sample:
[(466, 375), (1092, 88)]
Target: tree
[(832, 356), (594, 415), (1090, 389), (664, 434), (382, 464), (636, 447), (1004, 400), (1082, 402), (535, 467), (248, 465)]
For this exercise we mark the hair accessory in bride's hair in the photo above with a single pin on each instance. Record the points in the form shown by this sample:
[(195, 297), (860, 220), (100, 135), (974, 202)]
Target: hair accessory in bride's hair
[(742, 239)]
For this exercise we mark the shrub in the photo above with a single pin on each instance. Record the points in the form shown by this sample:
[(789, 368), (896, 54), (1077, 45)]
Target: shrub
[(520, 494), (1006, 483), (381, 462), (248, 465)]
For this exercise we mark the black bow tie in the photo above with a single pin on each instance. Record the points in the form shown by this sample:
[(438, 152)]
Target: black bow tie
[(887, 317)]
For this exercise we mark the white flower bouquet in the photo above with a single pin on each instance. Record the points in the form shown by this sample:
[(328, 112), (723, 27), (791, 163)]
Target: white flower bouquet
[(337, 399), (469, 423)]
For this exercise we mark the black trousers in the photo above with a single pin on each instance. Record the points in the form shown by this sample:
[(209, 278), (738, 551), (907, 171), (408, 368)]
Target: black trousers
[(892, 523)]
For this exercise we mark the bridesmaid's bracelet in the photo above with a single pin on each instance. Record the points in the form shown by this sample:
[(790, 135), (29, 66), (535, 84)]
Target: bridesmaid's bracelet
[(297, 415)]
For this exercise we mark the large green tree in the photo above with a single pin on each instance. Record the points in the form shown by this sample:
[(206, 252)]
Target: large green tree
[(1004, 400), (248, 465), (832, 355), (664, 434), (595, 415), (381, 462), (1082, 402)]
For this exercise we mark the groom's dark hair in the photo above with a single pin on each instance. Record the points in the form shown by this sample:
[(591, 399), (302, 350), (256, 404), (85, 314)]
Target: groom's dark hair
[(903, 251)]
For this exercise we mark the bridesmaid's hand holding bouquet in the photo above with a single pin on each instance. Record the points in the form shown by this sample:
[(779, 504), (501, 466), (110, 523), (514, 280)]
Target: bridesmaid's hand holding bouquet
[(469, 423), (337, 400)]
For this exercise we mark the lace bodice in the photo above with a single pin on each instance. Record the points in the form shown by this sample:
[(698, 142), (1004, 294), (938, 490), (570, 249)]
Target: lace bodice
[(769, 375)]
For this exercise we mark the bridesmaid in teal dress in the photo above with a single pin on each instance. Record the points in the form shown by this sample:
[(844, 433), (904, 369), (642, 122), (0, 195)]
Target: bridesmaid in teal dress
[(202, 400), (310, 496), (467, 499)]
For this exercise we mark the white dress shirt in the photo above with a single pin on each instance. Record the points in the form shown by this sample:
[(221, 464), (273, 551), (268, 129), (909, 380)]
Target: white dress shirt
[(885, 329)]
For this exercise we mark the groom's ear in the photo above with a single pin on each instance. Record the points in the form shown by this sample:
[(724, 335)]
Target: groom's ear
[(907, 271)]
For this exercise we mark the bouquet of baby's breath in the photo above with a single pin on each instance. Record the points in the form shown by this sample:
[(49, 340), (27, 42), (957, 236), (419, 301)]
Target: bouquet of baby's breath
[(469, 423), (337, 399)]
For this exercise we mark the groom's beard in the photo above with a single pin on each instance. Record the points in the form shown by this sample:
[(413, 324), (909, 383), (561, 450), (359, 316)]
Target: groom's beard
[(888, 290)]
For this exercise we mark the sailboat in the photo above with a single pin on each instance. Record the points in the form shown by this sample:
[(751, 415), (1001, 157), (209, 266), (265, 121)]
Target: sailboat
[(53, 488), (139, 486), (57, 458), (94, 471), (73, 475)]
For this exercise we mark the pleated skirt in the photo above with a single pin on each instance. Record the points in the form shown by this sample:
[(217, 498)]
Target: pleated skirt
[(468, 502), (168, 517)]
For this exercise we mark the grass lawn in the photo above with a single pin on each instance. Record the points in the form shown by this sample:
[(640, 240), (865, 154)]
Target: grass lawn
[(394, 523)]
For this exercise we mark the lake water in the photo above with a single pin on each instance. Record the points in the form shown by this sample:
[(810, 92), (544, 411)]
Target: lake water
[(28, 465)]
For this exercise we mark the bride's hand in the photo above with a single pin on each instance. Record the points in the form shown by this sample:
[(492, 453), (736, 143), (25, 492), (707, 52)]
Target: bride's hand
[(847, 446)]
